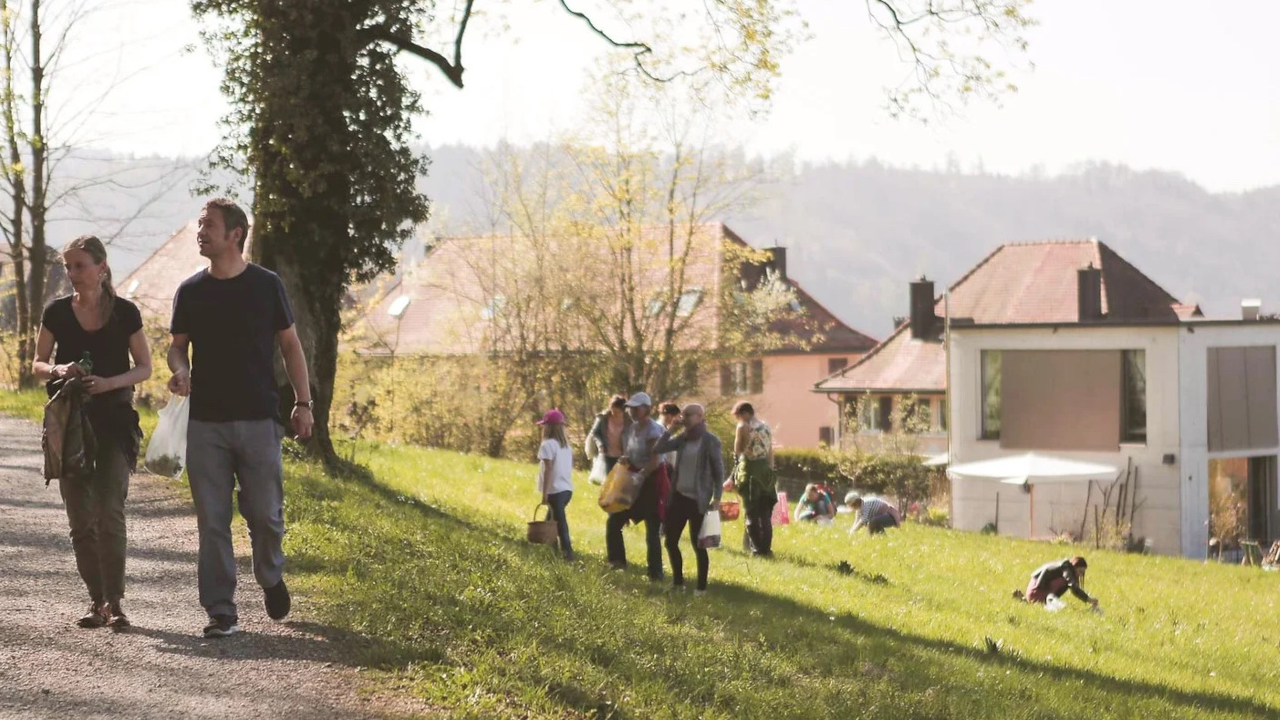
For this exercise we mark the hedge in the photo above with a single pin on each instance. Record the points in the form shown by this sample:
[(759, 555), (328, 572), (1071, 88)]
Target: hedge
[(902, 476)]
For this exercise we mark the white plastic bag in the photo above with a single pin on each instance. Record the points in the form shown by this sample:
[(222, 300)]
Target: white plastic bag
[(167, 451), (709, 538), (1053, 604), (598, 470)]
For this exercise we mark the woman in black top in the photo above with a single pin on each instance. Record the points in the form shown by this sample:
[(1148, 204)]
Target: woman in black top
[(93, 320)]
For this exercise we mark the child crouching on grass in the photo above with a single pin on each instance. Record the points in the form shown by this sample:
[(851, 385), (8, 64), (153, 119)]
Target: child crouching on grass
[(555, 474)]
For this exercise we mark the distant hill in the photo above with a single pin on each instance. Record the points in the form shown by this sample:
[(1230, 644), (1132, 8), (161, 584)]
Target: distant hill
[(858, 232)]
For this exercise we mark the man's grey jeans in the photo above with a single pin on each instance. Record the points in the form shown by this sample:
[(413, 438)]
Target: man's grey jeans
[(221, 455)]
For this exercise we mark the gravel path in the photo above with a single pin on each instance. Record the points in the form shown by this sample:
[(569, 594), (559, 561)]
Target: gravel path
[(162, 667)]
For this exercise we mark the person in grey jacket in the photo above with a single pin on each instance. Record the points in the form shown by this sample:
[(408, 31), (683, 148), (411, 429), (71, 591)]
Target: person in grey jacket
[(695, 490)]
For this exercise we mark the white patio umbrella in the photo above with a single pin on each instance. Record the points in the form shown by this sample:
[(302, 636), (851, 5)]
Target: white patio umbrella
[(1030, 469), (937, 460)]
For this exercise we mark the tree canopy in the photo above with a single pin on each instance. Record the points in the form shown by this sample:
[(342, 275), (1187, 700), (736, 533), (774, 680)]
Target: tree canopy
[(322, 109)]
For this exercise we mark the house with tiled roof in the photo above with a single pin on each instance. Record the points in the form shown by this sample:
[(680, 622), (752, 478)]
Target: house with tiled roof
[(1065, 348), (152, 284), (442, 307)]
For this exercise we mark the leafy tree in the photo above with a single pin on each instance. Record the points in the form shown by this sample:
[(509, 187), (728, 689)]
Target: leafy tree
[(321, 122), (322, 111), (44, 122)]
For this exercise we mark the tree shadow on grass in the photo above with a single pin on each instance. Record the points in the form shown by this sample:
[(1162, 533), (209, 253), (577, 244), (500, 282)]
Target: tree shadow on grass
[(911, 661)]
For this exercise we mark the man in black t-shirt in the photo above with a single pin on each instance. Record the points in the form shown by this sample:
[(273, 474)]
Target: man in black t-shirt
[(232, 315)]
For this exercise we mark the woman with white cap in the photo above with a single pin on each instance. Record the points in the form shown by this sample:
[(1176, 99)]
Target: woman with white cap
[(638, 454)]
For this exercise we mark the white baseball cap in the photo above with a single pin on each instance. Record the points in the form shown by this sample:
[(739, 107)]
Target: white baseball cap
[(640, 399)]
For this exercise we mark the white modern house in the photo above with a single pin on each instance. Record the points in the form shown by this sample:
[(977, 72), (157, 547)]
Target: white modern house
[(1065, 349)]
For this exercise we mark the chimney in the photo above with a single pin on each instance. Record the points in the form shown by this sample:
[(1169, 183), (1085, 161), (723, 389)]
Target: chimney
[(1249, 308), (1089, 294), (778, 261), (922, 317)]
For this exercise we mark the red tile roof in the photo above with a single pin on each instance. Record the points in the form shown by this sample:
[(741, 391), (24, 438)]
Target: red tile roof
[(152, 284), (1027, 283), (447, 301)]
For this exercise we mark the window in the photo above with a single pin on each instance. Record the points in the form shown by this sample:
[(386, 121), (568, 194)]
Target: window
[(733, 378), (688, 302), (1133, 396), (913, 415), (825, 436), (922, 415), (940, 417), (886, 412), (689, 375), (756, 377), (835, 365), (739, 385), (868, 414), (990, 394), (654, 308)]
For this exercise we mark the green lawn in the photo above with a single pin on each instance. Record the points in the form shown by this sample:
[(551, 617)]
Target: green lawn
[(425, 557), (429, 558)]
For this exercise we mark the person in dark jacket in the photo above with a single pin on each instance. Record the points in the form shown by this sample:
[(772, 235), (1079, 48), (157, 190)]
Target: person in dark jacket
[(92, 322), (606, 433), (695, 490), (1056, 578)]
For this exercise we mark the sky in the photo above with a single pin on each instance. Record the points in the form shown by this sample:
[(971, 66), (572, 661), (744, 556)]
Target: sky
[(1191, 87)]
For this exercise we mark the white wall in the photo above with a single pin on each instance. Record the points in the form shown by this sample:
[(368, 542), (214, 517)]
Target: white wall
[(1194, 341), (1061, 506)]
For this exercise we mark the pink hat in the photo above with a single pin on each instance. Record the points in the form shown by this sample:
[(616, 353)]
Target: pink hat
[(553, 417)]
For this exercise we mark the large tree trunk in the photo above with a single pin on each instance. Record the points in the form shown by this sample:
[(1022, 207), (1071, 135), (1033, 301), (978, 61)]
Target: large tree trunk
[(317, 318)]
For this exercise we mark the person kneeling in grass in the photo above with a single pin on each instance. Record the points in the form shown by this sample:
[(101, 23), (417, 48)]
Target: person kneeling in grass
[(1056, 578), (555, 474), (696, 489), (815, 506), (875, 513)]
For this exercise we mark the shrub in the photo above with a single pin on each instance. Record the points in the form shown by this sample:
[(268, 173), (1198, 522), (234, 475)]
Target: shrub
[(807, 464), (896, 475), (936, 517)]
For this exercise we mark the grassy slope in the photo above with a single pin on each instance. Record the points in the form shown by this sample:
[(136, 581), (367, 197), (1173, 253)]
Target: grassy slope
[(430, 558), (426, 557)]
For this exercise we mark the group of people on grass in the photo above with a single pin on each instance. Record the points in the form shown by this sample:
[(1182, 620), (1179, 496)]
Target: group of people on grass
[(679, 466), (682, 477), (227, 321)]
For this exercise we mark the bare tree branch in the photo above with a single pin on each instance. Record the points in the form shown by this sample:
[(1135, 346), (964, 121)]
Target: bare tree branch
[(452, 70)]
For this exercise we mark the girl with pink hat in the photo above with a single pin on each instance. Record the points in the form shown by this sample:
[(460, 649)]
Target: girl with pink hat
[(555, 474)]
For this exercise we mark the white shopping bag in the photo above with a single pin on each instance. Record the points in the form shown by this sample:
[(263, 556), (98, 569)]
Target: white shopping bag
[(167, 451), (598, 471), (709, 538)]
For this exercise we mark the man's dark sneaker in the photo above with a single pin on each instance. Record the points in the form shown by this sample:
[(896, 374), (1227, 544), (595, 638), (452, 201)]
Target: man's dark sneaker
[(116, 617), (96, 617), (277, 600), (221, 626)]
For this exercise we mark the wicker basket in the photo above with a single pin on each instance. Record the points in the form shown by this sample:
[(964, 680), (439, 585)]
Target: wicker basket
[(729, 509), (542, 532)]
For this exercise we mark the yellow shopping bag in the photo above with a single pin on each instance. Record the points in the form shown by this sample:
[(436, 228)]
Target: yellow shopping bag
[(620, 489)]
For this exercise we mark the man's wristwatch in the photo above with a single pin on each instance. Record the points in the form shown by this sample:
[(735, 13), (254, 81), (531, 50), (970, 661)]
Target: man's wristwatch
[(308, 404)]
